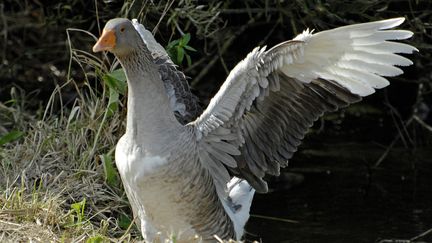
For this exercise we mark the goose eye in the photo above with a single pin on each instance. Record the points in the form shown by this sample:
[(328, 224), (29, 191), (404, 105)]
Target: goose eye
[(122, 29)]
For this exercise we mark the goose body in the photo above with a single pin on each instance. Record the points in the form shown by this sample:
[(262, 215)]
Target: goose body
[(190, 173)]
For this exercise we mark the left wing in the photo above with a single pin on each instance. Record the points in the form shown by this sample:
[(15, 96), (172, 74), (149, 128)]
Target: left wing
[(155, 48), (261, 113), (183, 103)]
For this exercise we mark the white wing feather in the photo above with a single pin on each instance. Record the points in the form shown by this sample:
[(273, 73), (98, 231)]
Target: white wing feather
[(355, 56)]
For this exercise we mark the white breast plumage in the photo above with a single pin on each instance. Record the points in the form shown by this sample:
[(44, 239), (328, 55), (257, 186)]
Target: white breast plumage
[(134, 163)]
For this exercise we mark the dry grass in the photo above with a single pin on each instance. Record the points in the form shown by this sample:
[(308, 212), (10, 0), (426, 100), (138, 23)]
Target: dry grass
[(59, 163)]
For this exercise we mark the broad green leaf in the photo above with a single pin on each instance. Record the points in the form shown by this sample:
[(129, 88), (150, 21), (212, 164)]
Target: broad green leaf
[(171, 54), (124, 221), (188, 59), (78, 208), (180, 54), (185, 39), (119, 74), (172, 44), (111, 177), (113, 102), (116, 80), (189, 48), (176, 49), (10, 137)]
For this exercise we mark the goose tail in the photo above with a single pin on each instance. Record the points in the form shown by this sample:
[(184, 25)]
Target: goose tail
[(239, 203)]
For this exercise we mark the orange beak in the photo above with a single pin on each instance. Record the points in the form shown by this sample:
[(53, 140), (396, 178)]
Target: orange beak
[(106, 42)]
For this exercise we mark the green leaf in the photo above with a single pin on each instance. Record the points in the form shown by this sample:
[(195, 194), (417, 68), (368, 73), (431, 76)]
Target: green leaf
[(116, 80), (10, 137), (113, 102), (189, 48), (111, 177), (171, 53), (185, 39), (124, 221), (176, 49), (119, 74), (78, 208), (172, 44), (180, 54), (188, 59), (10, 102), (96, 239)]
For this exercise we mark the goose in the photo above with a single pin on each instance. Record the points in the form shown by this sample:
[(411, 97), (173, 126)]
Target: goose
[(191, 172)]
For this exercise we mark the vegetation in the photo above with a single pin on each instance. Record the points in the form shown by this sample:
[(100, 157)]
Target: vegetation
[(61, 106)]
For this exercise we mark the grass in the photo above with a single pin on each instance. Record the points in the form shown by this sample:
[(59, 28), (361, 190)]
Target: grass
[(56, 173)]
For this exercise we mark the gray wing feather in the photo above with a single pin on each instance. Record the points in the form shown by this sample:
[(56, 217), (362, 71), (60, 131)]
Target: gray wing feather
[(183, 102), (278, 125), (271, 98)]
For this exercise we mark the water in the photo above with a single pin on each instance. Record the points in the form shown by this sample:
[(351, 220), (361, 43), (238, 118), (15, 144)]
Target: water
[(344, 200)]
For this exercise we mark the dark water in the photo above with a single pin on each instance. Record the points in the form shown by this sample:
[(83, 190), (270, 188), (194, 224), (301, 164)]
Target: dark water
[(345, 200)]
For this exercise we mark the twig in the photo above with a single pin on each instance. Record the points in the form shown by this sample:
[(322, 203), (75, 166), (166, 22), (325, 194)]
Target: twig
[(212, 62), (10, 223), (422, 234), (389, 148), (97, 17), (394, 241), (227, 71), (218, 239), (397, 119), (422, 123), (275, 218), (402, 131), (412, 240), (223, 49), (249, 10), (167, 7), (179, 29)]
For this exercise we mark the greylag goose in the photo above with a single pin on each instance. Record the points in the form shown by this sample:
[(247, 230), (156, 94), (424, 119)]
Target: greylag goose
[(188, 173)]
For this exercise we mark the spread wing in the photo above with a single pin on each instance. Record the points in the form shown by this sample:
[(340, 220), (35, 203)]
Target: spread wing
[(183, 103), (256, 121)]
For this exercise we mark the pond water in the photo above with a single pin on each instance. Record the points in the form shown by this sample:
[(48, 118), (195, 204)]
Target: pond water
[(345, 200)]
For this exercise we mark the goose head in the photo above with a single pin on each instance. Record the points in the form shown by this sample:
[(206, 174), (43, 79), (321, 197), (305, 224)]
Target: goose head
[(118, 37)]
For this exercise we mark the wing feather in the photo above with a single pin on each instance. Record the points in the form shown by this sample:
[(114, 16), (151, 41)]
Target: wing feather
[(272, 97)]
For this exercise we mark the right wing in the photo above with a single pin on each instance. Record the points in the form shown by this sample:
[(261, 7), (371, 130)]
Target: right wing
[(258, 118)]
